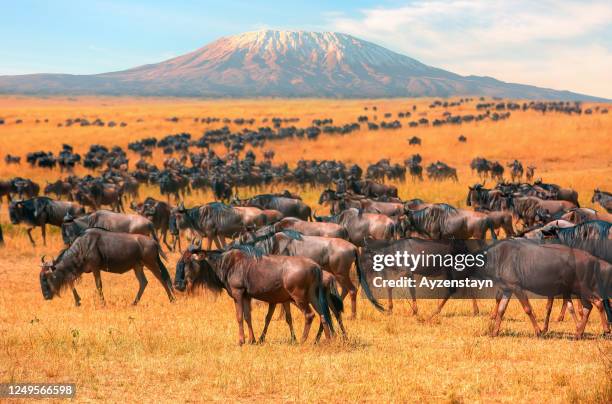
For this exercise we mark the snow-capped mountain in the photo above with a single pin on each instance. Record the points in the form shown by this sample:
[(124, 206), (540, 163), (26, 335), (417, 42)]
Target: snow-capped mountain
[(282, 64)]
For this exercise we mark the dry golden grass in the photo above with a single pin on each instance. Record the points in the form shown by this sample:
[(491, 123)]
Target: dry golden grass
[(187, 351)]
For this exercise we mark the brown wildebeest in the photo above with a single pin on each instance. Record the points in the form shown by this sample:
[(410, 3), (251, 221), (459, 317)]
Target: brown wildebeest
[(439, 222), (361, 226), (215, 221), (338, 203), (580, 215), (59, 188), (603, 198), (539, 232), (520, 265), (105, 219), (40, 211), (100, 250), (245, 274), (385, 208), (158, 212), (529, 173), (334, 255), (527, 208), (285, 203), (415, 247), (252, 217), (106, 194), (307, 228)]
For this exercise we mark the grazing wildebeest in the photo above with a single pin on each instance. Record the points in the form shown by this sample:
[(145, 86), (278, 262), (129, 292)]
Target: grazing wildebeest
[(442, 221), (40, 211), (361, 226), (73, 227), (158, 212), (100, 250), (373, 189), (415, 247), (334, 255), (245, 274), (288, 206), (215, 221), (603, 198), (305, 228), (520, 265)]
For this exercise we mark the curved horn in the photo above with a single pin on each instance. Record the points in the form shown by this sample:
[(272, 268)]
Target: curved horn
[(42, 259)]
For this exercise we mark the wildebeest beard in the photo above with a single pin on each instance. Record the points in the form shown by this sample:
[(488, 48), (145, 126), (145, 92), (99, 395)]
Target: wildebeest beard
[(63, 271), (209, 271)]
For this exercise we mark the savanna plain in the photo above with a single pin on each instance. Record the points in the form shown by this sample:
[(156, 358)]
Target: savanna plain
[(187, 351)]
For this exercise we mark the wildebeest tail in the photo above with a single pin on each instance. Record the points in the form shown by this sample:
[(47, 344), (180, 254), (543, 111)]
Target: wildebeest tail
[(364, 284), (1, 237), (335, 300), (322, 299), (603, 292), (164, 271)]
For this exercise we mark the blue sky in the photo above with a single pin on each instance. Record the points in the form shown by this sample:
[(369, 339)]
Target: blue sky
[(559, 44)]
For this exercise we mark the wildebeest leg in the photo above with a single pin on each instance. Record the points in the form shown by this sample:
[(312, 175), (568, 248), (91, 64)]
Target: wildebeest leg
[(156, 271), (348, 287), (520, 294), (246, 309), (142, 283), (549, 305), (222, 241), (289, 320), (77, 298), (413, 301), (237, 295), (586, 311), (602, 316), (98, 278), (501, 309), (269, 314), (43, 230), (308, 317), (164, 234), (498, 297), (561, 316), (29, 230)]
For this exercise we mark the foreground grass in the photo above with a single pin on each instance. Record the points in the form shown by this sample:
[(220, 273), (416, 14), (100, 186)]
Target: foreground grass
[(187, 351)]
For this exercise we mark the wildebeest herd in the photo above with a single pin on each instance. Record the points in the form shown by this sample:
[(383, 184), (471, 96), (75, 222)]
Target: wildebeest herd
[(273, 247)]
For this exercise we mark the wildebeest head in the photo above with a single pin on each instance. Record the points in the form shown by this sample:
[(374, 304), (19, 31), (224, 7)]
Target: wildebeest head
[(46, 277), (193, 269), (16, 211), (327, 196), (70, 229)]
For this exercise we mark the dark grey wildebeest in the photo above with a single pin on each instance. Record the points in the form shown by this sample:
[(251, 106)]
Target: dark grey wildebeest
[(40, 211), (105, 219), (520, 265), (288, 206), (99, 250)]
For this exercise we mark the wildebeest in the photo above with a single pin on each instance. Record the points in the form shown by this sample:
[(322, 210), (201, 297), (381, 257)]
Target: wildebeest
[(306, 228), (158, 212), (361, 226), (288, 206), (100, 250), (73, 227), (59, 188), (97, 194), (516, 172), (40, 211), (603, 198), (334, 255), (520, 265), (528, 208), (441, 221), (245, 274), (215, 221)]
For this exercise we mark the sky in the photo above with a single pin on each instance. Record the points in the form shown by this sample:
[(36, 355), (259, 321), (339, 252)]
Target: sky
[(560, 44)]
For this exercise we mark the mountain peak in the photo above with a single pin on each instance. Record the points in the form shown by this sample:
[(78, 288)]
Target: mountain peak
[(284, 64)]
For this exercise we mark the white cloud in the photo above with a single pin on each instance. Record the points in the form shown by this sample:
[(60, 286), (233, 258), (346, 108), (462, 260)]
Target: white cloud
[(559, 44)]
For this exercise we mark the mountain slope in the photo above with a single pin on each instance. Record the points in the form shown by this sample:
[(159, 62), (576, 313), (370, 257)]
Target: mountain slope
[(283, 64)]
